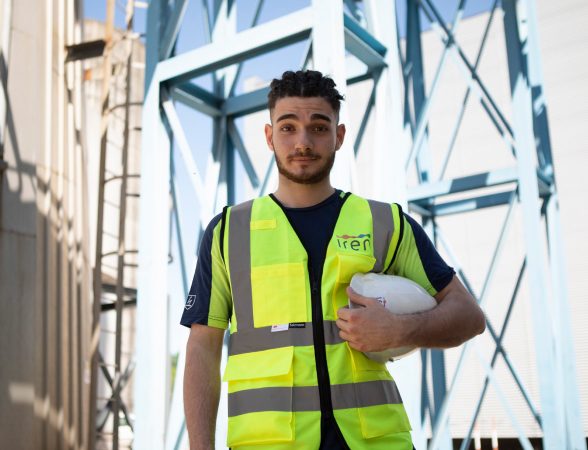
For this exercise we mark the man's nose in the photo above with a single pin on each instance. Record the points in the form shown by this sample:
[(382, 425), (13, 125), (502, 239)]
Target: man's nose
[(303, 143)]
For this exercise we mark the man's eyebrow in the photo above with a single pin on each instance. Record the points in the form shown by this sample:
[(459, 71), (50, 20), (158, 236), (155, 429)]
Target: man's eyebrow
[(319, 116), (287, 116), (314, 116)]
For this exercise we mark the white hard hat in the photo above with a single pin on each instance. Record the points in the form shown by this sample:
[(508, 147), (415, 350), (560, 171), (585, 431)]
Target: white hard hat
[(399, 295)]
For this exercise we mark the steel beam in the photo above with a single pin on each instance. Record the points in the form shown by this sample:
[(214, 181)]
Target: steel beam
[(466, 98), (244, 104), (362, 45), (567, 371), (85, 50), (391, 136), (423, 105), (185, 151), (151, 380), (550, 392), (467, 183), (242, 151), (294, 27), (328, 56), (254, 21), (419, 153), (197, 98), (469, 204), (172, 28)]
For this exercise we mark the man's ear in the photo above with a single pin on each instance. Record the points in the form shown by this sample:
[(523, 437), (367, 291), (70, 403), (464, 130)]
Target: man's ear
[(340, 135), (268, 136)]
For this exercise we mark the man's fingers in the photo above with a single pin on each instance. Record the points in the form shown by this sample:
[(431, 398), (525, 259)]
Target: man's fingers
[(360, 299), (343, 325), (355, 345), (345, 336), (343, 313)]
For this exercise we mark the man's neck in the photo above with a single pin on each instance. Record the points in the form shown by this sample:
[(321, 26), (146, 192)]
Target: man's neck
[(295, 195)]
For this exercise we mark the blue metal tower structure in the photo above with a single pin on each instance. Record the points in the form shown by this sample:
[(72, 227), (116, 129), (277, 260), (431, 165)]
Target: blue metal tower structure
[(399, 109)]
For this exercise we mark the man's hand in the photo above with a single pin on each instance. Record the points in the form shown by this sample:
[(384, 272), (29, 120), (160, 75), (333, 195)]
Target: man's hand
[(370, 328), (455, 319)]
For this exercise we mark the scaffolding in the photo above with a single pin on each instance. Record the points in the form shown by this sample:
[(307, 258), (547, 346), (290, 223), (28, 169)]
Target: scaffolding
[(367, 31)]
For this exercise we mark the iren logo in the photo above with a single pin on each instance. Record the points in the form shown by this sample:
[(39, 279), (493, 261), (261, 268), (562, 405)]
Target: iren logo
[(355, 243)]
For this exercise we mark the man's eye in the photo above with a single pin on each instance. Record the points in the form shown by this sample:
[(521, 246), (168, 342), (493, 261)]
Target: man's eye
[(320, 129), (286, 128)]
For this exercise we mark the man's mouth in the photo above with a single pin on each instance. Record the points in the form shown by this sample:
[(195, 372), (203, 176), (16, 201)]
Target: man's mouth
[(304, 158)]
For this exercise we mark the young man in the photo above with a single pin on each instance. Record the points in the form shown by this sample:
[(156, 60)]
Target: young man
[(278, 270)]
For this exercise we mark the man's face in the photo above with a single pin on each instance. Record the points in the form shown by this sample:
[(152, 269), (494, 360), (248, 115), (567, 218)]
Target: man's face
[(304, 136)]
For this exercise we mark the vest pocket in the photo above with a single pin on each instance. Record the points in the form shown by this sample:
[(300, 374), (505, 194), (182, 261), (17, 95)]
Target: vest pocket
[(350, 264), (364, 368), (279, 294), (380, 420), (260, 397), (373, 385)]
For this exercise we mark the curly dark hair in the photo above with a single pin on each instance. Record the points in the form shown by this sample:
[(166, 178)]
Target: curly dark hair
[(304, 83)]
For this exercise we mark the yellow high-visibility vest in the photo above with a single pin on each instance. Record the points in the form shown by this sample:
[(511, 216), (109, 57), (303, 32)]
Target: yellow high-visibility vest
[(271, 371)]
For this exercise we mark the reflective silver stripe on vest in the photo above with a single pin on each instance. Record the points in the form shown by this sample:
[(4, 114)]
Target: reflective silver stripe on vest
[(240, 263), (257, 339), (306, 398), (383, 230)]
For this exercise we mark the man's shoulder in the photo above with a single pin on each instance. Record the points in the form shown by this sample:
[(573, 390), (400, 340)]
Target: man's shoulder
[(371, 200), (214, 222), (247, 203)]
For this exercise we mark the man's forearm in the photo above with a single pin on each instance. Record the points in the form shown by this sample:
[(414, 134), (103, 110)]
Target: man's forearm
[(449, 324), (202, 387), (454, 320)]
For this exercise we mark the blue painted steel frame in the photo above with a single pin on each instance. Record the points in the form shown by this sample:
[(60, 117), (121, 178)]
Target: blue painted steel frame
[(165, 73), (561, 428), (415, 81)]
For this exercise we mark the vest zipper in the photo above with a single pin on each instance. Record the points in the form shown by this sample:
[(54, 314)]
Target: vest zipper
[(320, 354), (320, 357)]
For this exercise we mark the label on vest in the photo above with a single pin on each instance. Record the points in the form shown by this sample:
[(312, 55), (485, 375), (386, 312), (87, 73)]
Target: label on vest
[(297, 325), (283, 327)]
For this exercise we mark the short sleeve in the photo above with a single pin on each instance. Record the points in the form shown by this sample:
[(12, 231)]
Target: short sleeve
[(209, 299), (418, 260)]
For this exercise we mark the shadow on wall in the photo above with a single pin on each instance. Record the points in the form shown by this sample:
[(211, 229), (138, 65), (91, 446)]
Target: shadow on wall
[(21, 168), (44, 278)]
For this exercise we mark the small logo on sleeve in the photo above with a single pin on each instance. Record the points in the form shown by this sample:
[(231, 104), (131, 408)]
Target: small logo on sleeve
[(190, 302)]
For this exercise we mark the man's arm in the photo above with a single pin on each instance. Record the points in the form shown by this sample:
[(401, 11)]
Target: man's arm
[(455, 319), (202, 384)]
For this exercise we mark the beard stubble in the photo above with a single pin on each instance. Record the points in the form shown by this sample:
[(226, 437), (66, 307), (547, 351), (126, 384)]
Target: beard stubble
[(314, 177)]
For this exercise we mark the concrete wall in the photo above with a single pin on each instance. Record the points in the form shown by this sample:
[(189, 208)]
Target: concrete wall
[(44, 265)]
